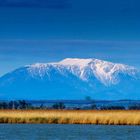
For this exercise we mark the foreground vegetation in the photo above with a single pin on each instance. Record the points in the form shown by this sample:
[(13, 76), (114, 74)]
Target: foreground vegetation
[(111, 117)]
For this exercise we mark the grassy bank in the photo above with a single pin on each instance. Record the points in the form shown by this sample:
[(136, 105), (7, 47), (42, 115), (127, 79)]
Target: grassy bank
[(117, 117)]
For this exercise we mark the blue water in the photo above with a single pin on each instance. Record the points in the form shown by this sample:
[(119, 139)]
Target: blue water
[(68, 132)]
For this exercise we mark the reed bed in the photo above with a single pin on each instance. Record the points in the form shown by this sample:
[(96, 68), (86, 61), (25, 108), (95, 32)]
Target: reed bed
[(112, 117)]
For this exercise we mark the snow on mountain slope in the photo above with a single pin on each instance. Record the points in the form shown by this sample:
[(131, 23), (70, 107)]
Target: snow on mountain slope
[(106, 72), (72, 78)]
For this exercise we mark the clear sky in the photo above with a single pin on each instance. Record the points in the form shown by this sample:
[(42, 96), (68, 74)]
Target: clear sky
[(49, 30)]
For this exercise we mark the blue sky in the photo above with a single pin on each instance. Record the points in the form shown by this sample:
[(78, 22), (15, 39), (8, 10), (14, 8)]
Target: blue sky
[(50, 30)]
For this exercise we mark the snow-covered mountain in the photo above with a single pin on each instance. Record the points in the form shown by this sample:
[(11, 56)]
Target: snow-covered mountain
[(72, 79)]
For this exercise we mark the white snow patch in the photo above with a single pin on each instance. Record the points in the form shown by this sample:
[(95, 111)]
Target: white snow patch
[(105, 72)]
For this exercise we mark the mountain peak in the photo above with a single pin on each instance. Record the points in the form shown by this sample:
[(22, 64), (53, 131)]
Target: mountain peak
[(85, 69), (72, 76), (76, 61)]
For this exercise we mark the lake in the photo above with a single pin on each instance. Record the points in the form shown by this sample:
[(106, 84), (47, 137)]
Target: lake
[(68, 132)]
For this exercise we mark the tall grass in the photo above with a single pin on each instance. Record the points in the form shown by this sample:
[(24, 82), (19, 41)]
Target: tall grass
[(112, 117)]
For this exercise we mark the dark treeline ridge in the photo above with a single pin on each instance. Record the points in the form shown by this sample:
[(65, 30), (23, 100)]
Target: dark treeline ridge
[(23, 104)]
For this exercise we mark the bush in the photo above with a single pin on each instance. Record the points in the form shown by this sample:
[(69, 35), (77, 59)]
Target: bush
[(112, 108), (134, 107), (58, 106)]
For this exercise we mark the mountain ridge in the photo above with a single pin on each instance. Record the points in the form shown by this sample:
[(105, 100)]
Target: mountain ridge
[(102, 70), (72, 78)]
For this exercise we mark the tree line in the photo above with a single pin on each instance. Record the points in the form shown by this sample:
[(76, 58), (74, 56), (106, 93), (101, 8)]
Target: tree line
[(22, 104)]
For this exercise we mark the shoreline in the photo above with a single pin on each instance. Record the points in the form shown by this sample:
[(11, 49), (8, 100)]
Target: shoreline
[(97, 117)]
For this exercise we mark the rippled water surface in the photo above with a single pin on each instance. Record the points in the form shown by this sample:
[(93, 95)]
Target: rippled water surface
[(68, 132)]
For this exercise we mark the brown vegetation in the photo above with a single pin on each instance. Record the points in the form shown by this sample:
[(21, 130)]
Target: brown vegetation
[(112, 117)]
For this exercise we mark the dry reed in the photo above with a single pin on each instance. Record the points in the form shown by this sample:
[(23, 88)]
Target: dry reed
[(112, 117)]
